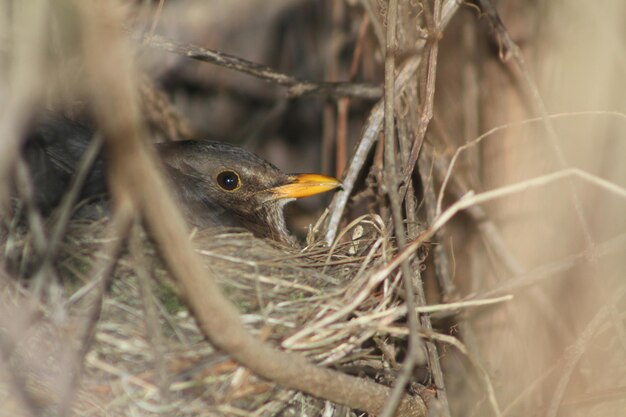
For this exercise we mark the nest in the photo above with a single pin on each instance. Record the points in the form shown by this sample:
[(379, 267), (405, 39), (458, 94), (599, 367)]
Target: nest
[(323, 303)]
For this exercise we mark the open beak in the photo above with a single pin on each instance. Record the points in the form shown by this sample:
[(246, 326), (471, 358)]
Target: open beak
[(305, 185)]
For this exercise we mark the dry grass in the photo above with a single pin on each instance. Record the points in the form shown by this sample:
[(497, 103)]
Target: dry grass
[(300, 301)]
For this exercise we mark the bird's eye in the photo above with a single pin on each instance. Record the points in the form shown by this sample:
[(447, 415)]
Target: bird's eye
[(228, 180)]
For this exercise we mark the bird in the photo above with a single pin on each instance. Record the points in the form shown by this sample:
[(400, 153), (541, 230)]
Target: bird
[(214, 183)]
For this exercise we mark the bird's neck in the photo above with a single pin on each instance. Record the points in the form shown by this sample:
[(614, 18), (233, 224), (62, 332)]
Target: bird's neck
[(270, 223)]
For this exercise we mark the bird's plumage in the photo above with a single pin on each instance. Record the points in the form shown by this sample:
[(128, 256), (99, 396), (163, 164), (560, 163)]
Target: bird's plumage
[(216, 184)]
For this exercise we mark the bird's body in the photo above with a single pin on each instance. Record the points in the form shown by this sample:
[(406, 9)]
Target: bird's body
[(216, 184)]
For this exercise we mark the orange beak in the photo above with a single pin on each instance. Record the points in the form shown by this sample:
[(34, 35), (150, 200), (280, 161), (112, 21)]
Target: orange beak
[(305, 185)]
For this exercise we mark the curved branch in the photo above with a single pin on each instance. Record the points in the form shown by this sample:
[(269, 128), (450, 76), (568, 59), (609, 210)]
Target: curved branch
[(296, 87), (133, 177)]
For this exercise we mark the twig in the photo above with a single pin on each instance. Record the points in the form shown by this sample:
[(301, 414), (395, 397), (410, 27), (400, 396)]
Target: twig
[(343, 105), (26, 190), (474, 199), (102, 272), (64, 210), (151, 316), (378, 27), (484, 375), (565, 357), (370, 135), (440, 255), (161, 113), (463, 304), (157, 16), (490, 231), (429, 95), (453, 341), (296, 87), (536, 276), (458, 189), (493, 239), (397, 312), (510, 49), (406, 139), (496, 129), (541, 181), (340, 200), (415, 354), (109, 368), (433, 19), (575, 351), (44, 268)]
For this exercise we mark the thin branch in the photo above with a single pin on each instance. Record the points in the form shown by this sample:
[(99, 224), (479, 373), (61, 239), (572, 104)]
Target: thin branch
[(103, 273), (295, 86), (576, 350), (493, 238), (457, 188), (433, 20), (565, 174), (370, 134), (484, 375), (463, 304), (440, 255), (150, 313), (357, 162), (471, 199), (429, 93), (531, 278), (69, 199), (510, 49), (26, 191), (343, 105), (157, 16), (64, 210), (415, 354), (447, 307), (496, 129), (376, 24)]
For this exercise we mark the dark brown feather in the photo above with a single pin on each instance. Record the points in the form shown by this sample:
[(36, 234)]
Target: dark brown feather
[(55, 144)]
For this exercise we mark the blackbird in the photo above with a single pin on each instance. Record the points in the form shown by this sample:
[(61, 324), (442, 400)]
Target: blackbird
[(216, 184)]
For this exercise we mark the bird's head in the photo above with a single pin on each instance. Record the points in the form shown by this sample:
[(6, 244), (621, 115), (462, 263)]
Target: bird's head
[(220, 184)]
